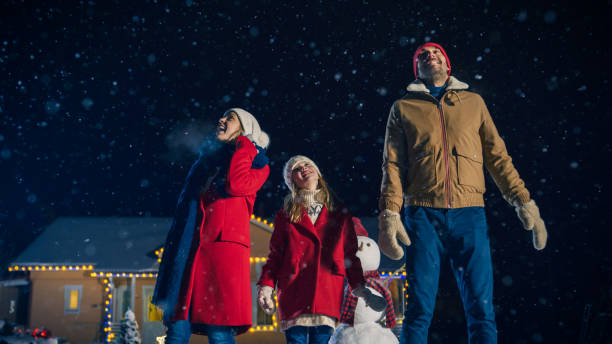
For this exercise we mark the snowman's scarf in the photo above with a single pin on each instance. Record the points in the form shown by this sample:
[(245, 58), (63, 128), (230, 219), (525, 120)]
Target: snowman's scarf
[(373, 281)]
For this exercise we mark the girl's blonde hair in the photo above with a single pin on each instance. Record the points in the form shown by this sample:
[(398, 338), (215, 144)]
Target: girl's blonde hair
[(293, 208)]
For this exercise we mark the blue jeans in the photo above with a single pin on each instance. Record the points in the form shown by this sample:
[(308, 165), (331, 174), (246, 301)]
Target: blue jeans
[(461, 235), (179, 332), (308, 334)]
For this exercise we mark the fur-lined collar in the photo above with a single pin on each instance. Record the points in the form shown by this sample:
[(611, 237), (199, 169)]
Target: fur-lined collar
[(453, 84)]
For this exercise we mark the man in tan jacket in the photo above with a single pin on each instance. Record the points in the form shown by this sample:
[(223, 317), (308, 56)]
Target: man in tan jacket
[(438, 138)]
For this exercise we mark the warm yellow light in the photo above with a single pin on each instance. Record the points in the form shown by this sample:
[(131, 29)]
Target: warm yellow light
[(271, 225), (150, 275), (106, 302), (257, 260), (90, 267), (29, 268), (74, 300), (44, 268), (76, 268), (10, 268), (105, 280), (251, 330), (252, 216), (265, 221)]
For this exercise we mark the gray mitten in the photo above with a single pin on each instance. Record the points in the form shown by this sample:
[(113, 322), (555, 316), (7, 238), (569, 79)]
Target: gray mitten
[(377, 303), (390, 228), (529, 214)]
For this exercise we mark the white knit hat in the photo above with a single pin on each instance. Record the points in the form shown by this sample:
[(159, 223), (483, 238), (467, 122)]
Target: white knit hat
[(289, 167), (251, 127)]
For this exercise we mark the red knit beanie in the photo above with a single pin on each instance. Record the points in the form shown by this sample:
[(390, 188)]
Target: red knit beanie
[(418, 51), (359, 228)]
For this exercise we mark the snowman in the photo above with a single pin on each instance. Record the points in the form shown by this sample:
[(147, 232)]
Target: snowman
[(359, 323)]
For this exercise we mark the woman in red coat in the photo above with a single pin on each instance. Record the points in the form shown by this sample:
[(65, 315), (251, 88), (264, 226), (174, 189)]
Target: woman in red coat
[(312, 250), (204, 281)]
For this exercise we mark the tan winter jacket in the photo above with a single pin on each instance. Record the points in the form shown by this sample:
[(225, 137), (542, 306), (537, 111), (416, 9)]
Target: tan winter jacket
[(435, 150)]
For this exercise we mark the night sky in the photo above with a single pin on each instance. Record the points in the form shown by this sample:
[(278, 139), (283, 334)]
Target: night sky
[(103, 106)]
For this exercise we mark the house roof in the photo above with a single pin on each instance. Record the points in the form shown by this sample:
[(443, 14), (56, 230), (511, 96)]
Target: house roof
[(124, 243), (107, 243), (386, 264)]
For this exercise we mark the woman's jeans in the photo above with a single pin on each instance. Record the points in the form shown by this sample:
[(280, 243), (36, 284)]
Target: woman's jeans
[(459, 235), (179, 332), (308, 334)]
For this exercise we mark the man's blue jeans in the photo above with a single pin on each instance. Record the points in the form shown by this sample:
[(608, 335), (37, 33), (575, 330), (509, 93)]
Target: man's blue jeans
[(179, 332), (308, 334), (461, 235)]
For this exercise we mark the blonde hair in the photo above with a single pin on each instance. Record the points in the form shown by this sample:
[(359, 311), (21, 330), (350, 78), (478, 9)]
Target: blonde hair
[(293, 208)]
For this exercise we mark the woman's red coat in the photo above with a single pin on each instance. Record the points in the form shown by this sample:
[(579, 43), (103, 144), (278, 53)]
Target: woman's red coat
[(218, 289), (308, 263)]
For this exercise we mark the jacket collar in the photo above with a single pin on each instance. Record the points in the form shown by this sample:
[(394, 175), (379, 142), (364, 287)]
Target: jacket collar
[(307, 224), (452, 84)]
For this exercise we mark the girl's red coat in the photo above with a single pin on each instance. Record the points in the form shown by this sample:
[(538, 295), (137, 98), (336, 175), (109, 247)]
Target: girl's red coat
[(308, 263)]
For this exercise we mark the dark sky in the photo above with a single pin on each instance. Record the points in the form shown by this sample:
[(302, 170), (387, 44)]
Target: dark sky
[(101, 104)]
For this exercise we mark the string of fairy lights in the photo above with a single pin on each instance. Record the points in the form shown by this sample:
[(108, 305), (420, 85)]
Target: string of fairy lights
[(107, 281)]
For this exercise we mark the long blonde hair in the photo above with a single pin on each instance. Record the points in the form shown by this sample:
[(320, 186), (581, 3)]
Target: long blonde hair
[(293, 208)]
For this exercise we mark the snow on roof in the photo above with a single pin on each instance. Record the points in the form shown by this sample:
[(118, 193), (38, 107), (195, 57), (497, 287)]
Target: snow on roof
[(107, 243)]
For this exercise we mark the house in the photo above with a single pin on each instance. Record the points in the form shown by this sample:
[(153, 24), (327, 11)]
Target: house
[(79, 277)]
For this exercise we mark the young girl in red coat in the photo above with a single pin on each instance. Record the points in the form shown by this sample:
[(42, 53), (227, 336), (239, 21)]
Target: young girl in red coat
[(204, 278), (312, 251)]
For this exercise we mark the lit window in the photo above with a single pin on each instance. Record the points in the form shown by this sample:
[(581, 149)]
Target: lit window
[(72, 299)]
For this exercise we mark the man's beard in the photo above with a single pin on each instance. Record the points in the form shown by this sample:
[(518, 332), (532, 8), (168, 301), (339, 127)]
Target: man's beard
[(431, 74)]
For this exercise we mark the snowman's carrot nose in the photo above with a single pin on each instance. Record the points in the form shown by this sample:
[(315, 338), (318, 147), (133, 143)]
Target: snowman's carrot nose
[(361, 246)]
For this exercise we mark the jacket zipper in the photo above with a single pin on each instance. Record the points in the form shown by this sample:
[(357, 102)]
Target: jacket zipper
[(444, 146)]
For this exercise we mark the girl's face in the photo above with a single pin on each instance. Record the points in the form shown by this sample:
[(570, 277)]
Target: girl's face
[(228, 127), (305, 176)]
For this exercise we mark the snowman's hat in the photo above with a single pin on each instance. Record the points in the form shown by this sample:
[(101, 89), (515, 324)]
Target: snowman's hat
[(359, 228)]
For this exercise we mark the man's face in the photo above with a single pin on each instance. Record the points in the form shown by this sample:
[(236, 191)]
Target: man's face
[(431, 62), (228, 127)]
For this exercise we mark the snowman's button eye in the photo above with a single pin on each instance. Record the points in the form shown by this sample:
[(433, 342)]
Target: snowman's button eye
[(368, 244)]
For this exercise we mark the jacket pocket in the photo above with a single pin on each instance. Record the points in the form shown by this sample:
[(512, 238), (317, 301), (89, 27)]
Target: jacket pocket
[(469, 169), (236, 235), (422, 172)]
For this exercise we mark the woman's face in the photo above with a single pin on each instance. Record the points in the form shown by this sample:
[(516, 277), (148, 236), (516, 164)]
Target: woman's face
[(228, 127), (305, 176)]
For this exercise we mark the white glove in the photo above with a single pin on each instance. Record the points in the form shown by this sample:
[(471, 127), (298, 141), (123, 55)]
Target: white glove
[(265, 298), (529, 214), (390, 229), (377, 303)]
